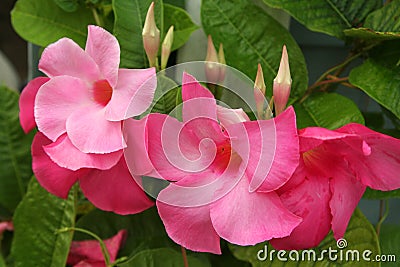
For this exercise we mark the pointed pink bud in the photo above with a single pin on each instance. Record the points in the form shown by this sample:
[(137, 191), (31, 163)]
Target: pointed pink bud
[(151, 36), (259, 92), (166, 47), (282, 83), (211, 65), (221, 60)]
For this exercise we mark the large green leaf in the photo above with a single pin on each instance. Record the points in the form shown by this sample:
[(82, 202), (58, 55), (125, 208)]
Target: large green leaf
[(328, 110), (145, 230), (390, 245), (371, 35), (165, 257), (129, 20), (360, 236), (328, 16), (165, 95), (379, 76), (376, 194), (68, 5), (15, 155), (183, 24), (36, 221), (385, 19), (43, 22), (251, 36)]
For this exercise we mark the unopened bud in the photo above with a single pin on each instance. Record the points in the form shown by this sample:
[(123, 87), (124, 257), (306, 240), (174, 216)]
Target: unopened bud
[(222, 62), (166, 47), (151, 36), (282, 84), (211, 65), (259, 92)]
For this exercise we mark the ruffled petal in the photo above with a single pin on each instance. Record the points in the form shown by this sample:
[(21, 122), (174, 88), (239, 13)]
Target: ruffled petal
[(52, 177), (189, 227), (115, 190), (197, 101), (56, 100), (133, 93), (27, 103), (103, 48), (270, 149), (66, 155), (90, 132), (245, 218), (310, 201), (227, 116), (65, 57)]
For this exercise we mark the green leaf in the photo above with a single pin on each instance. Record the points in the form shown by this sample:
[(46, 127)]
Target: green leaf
[(165, 257), (129, 20), (183, 24), (145, 230), (376, 194), (385, 19), (251, 36), (360, 236), (379, 77), (2, 262), (390, 244), (165, 95), (368, 34), (15, 151), (43, 22), (36, 221), (329, 16), (67, 5), (328, 110)]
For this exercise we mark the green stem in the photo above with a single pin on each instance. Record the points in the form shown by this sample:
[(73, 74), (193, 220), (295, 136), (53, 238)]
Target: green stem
[(103, 247), (383, 205), (97, 18)]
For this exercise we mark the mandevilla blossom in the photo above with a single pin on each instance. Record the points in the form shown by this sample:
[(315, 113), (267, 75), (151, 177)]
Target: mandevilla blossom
[(88, 252), (79, 110), (335, 169), (208, 161)]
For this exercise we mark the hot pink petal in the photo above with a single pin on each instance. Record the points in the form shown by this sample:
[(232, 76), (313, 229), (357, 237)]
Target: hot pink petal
[(133, 93), (27, 103), (6, 226), (310, 201), (90, 132), (103, 48), (56, 100), (115, 190), (269, 148), (65, 57), (89, 251), (66, 155), (346, 193), (52, 177), (246, 218), (312, 137), (189, 227), (197, 100), (376, 162), (227, 116)]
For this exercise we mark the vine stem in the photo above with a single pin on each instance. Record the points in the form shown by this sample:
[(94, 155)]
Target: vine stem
[(103, 247), (184, 257), (97, 18), (383, 213)]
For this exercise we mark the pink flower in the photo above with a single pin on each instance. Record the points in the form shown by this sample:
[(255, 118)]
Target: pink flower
[(213, 171), (335, 168), (79, 110), (6, 226), (88, 252)]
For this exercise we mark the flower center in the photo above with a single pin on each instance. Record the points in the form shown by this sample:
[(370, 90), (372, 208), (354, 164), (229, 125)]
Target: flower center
[(222, 158), (102, 92)]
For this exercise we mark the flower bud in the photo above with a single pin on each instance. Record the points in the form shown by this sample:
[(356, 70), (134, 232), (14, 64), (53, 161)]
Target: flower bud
[(166, 47), (151, 36), (211, 65), (259, 92), (221, 60), (282, 83)]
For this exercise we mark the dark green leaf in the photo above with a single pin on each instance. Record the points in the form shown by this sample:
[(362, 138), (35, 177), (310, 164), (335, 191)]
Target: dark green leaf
[(368, 34), (379, 77), (183, 24), (360, 236), (328, 110), (129, 20), (165, 257), (385, 19), (329, 16), (36, 221), (165, 95), (145, 230), (390, 244), (15, 155), (251, 36), (68, 5), (43, 22), (376, 194)]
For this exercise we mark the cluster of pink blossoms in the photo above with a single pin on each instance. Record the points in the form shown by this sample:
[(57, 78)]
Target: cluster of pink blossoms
[(232, 178)]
